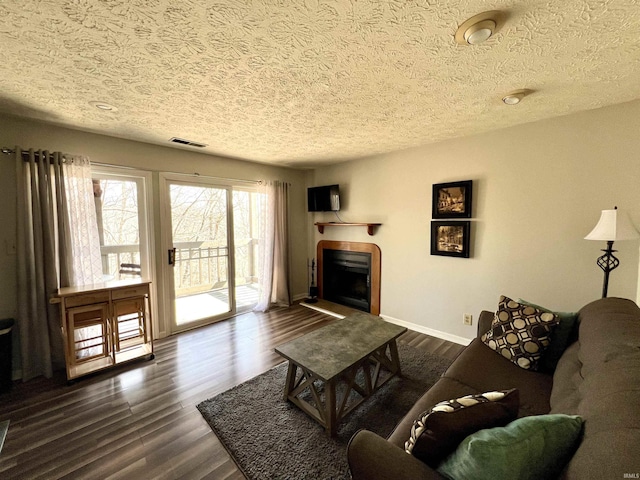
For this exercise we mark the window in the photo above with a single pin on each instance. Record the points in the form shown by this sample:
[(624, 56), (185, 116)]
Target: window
[(120, 201)]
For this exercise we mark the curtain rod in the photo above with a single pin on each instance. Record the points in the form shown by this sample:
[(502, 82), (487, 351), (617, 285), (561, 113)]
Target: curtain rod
[(197, 175), (194, 174), (10, 151)]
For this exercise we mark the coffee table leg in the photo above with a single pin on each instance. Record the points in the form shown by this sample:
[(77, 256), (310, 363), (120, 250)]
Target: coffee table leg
[(289, 384), (330, 407), (395, 358)]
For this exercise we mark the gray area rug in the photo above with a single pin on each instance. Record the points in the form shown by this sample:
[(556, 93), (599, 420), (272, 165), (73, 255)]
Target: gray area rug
[(272, 439)]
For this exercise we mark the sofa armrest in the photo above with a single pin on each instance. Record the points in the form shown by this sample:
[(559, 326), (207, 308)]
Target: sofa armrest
[(372, 457), (484, 322)]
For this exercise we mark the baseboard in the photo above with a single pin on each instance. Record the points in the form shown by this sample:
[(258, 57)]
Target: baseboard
[(299, 296), (428, 331), (411, 326)]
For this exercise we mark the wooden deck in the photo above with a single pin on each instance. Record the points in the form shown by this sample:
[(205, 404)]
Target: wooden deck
[(140, 421), (214, 302)]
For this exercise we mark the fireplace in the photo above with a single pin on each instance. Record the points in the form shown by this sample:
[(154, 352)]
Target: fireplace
[(347, 278), (349, 274)]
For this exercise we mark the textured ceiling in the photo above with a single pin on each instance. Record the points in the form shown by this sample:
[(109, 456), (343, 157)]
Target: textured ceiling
[(309, 82)]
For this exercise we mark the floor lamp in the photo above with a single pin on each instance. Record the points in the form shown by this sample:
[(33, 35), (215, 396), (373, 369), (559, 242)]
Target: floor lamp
[(613, 226)]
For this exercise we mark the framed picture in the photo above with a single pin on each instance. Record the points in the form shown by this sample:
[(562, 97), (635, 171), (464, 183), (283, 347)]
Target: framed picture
[(452, 200), (450, 238)]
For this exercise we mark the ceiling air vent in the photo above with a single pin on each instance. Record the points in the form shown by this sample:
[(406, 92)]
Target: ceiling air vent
[(182, 141)]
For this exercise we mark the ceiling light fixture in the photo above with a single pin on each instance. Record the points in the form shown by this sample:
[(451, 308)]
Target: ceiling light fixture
[(514, 98), (103, 106), (479, 28)]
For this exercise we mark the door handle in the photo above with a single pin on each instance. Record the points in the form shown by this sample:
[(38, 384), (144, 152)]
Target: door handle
[(171, 257)]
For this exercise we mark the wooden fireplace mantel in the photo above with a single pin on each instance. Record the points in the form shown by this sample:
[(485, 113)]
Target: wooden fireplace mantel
[(376, 264), (369, 226)]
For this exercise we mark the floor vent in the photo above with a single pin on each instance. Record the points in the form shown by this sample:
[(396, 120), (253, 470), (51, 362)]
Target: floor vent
[(182, 141)]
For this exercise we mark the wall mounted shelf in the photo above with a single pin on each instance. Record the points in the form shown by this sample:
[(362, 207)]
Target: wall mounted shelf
[(370, 226)]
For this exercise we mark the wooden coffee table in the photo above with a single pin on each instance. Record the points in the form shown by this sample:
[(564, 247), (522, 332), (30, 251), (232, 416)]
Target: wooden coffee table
[(334, 369)]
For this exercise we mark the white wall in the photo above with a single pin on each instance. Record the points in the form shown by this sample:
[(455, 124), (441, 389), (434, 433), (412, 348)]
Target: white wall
[(538, 190), (109, 150)]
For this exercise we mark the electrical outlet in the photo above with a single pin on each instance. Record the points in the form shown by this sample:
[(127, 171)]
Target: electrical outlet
[(467, 319)]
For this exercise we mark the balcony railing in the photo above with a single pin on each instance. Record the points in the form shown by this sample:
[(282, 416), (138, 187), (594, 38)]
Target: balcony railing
[(199, 267), (114, 256)]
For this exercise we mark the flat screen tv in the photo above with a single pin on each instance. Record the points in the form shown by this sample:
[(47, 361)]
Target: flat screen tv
[(323, 199)]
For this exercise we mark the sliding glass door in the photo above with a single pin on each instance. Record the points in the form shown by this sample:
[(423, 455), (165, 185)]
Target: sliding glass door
[(210, 255), (247, 206)]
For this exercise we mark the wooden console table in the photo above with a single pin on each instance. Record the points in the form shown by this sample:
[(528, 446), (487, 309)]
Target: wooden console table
[(105, 325), (369, 226)]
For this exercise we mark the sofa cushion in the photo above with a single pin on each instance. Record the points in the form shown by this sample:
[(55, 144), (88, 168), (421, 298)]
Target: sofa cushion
[(609, 328), (528, 448), (480, 369), (565, 394), (520, 333), (560, 338), (608, 389), (438, 431)]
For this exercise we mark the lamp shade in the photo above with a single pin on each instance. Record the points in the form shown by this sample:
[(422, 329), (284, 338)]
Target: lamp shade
[(613, 226)]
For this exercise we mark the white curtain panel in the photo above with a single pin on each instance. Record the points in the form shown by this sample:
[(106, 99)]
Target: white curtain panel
[(81, 213), (84, 247), (48, 247), (274, 247)]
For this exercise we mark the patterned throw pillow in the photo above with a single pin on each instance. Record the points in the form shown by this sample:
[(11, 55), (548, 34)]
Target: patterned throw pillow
[(559, 340), (520, 332), (437, 432)]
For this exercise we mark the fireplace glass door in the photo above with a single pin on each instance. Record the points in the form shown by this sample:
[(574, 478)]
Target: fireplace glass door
[(347, 278)]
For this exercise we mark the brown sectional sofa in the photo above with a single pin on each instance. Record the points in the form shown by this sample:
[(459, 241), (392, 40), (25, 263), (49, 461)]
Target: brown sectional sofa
[(597, 378)]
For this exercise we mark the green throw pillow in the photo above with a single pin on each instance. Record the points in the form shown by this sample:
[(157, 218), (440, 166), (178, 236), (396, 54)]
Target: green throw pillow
[(559, 338), (528, 448)]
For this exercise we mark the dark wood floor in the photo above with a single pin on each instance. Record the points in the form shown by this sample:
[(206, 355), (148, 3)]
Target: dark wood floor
[(140, 421)]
